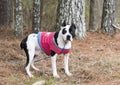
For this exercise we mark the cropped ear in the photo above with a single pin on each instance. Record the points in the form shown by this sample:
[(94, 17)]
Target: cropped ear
[(64, 23), (73, 26)]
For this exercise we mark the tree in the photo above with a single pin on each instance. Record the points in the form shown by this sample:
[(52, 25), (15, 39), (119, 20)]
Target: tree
[(18, 26), (6, 11), (95, 15), (36, 15), (72, 11), (108, 17)]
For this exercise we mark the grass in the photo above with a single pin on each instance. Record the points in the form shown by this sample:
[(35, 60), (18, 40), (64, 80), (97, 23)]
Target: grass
[(89, 69), (51, 81), (31, 80), (15, 79), (48, 81)]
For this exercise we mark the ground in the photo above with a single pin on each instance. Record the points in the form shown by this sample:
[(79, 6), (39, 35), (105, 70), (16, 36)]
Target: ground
[(93, 61)]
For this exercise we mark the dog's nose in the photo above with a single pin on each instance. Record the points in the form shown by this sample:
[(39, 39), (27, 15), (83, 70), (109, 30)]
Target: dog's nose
[(68, 37)]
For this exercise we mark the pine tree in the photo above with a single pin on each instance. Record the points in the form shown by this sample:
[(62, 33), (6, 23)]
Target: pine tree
[(108, 17), (73, 11), (95, 15), (18, 26), (36, 15), (6, 12)]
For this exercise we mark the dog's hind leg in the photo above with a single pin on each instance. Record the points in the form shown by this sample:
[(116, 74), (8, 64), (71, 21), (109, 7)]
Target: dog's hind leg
[(31, 56), (33, 66), (36, 55)]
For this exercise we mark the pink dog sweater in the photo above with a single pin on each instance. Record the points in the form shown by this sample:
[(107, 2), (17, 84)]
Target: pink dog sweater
[(47, 43)]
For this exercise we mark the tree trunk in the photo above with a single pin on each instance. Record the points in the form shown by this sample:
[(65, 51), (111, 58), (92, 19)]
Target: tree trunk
[(6, 11), (72, 11), (36, 15), (18, 19), (108, 17), (95, 15)]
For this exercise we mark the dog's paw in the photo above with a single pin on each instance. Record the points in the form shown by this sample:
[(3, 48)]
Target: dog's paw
[(56, 76), (69, 74), (31, 76)]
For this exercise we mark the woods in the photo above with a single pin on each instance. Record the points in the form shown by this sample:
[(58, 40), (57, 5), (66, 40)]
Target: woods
[(71, 11), (95, 53)]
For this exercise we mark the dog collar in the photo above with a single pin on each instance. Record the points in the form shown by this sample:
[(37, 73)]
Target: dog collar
[(59, 50)]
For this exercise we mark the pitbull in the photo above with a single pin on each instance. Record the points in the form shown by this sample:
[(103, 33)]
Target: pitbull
[(52, 44)]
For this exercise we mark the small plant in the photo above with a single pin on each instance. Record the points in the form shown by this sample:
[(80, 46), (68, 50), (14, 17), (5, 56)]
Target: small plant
[(51, 81), (32, 80)]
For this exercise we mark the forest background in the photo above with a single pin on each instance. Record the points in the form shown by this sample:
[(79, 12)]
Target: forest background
[(94, 60)]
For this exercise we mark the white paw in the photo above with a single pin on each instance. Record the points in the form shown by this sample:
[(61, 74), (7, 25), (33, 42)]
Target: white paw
[(31, 76), (69, 74), (56, 76)]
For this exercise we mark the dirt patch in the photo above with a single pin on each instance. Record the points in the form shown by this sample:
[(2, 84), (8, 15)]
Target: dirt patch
[(95, 60)]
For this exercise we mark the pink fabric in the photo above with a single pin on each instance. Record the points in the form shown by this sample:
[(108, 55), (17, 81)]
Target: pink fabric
[(47, 44)]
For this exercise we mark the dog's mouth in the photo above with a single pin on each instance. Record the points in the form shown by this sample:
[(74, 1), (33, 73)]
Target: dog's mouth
[(67, 41)]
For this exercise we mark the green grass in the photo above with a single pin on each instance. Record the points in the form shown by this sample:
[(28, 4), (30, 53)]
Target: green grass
[(51, 81), (32, 80), (48, 81)]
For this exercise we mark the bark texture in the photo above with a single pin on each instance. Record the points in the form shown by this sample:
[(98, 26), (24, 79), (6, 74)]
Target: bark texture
[(73, 11), (6, 12), (108, 17), (95, 15), (18, 26), (36, 15)]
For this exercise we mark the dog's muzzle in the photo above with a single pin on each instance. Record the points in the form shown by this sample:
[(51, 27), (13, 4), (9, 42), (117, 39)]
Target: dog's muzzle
[(68, 38)]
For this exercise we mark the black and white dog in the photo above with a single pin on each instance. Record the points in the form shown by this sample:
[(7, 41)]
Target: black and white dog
[(52, 43)]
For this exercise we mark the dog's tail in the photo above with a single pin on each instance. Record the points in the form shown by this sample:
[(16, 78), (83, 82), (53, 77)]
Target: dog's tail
[(23, 45)]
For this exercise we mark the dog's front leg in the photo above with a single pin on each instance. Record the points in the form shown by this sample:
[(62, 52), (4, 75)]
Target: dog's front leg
[(55, 74), (66, 67)]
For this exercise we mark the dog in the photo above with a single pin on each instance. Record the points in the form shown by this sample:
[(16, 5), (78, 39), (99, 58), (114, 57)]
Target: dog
[(52, 44)]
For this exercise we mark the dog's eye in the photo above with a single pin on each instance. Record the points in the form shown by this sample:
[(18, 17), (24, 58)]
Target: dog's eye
[(64, 31), (72, 32)]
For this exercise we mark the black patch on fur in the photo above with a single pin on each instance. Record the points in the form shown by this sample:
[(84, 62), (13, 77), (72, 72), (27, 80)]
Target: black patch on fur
[(52, 53), (72, 30), (55, 37), (23, 45), (64, 24), (64, 31)]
